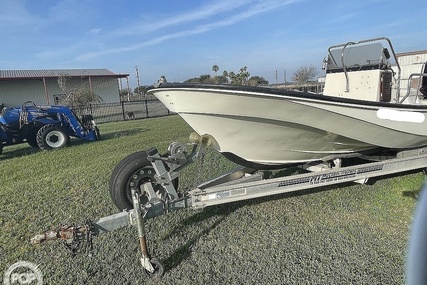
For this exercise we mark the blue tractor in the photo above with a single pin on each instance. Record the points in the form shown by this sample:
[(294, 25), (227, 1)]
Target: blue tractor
[(45, 127)]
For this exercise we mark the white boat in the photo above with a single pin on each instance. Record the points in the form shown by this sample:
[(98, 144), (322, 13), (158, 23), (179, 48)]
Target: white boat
[(363, 108)]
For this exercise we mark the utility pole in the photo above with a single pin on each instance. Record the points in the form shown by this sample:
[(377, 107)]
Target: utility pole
[(137, 79), (145, 95), (284, 75)]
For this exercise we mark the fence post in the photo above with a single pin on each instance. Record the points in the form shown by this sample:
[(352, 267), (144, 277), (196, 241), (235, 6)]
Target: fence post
[(123, 110), (146, 107)]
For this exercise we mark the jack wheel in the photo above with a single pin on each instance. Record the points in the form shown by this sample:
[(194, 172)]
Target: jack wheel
[(159, 268)]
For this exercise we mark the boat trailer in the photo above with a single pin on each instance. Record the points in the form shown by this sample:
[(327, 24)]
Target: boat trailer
[(150, 189)]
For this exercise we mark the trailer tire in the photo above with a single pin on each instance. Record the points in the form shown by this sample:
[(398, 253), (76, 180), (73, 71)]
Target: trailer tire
[(133, 171), (52, 137)]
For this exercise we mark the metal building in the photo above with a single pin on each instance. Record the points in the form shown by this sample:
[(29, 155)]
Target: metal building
[(413, 63), (43, 88)]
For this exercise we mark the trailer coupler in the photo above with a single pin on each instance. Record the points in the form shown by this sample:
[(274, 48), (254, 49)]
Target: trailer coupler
[(75, 238), (78, 238)]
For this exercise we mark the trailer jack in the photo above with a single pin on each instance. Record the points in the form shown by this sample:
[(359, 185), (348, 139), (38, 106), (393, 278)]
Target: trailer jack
[(146, 182), (153, 267), (77, 238)]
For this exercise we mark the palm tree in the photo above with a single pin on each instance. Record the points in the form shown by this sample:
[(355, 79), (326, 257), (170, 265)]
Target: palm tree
[(215, 68)]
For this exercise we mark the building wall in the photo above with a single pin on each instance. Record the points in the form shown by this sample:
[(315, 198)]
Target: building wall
[(411, 63), (15, 92), (411, 58)]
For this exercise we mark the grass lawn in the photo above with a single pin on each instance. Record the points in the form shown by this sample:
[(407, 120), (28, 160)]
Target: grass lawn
[(354, 234)]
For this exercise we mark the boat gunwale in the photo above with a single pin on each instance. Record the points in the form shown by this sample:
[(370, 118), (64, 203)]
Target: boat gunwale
[(297, 95)]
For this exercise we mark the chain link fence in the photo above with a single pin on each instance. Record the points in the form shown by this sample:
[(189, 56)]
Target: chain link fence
[(125, 110)]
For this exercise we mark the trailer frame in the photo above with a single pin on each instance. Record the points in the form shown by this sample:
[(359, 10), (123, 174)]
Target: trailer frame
[(235, 185)]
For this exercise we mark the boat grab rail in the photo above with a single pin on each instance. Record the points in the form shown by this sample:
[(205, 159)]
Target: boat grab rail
[(408, 89), (347, 84), (362, 42)]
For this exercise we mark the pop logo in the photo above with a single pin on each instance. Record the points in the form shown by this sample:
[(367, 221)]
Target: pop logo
[(23, 272)]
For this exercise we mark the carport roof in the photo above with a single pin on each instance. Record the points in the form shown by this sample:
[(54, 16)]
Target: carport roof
[(32, 74)]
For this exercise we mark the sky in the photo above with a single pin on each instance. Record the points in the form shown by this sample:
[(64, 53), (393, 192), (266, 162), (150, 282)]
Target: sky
[(184, 39)]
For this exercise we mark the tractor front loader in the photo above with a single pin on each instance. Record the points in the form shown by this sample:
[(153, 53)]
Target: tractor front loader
[(45, 127)]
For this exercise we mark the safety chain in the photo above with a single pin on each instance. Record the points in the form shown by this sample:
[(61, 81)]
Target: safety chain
[(73, 236)]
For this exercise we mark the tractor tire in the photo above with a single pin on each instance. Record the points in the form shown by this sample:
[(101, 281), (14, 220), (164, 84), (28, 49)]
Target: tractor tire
[(52, 137), (32, 138), (134, 170)]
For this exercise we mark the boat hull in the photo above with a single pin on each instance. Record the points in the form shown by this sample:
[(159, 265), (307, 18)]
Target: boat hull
[(271, 127)]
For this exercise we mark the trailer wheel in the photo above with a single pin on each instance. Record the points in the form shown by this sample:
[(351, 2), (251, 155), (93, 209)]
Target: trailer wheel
[(159, 268), (133, 171), (51, 137)]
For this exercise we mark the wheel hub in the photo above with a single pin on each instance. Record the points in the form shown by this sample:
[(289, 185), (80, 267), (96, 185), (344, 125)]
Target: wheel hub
[(137, 179), (55, 139)]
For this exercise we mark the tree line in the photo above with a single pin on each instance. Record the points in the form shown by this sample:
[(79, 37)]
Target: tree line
[(242, 77), (81, 94), (302, 76)]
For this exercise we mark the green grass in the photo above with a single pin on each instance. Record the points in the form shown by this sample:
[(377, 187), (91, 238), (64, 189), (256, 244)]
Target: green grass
[(352, 234)]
